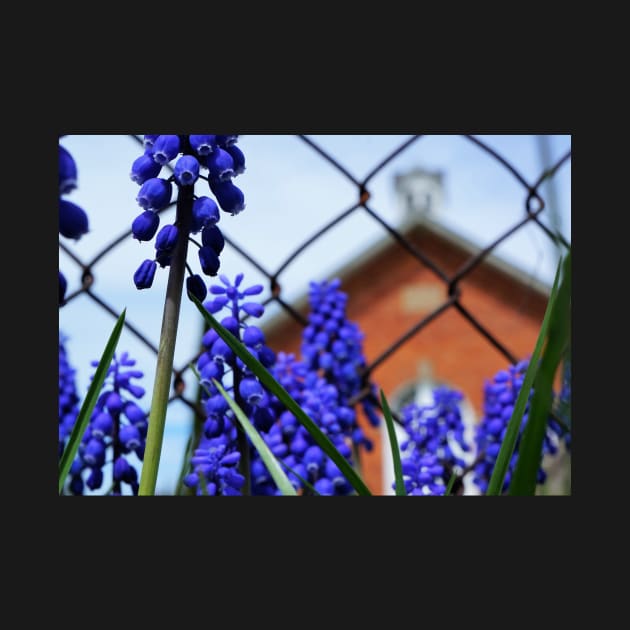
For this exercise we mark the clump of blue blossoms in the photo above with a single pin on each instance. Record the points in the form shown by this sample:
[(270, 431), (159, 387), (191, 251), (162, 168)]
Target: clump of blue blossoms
[(68, 398), (192, 156), (333, 346), (73, 220), (215, 461), (437, 431), (323, 382), (293, 445), (423, 475), (500, 395), (115, 435)]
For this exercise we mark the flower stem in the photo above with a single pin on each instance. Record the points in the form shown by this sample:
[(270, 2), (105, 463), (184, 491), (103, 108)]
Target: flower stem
[(197, 427), (115, 440), (166, 350), (243, 441)]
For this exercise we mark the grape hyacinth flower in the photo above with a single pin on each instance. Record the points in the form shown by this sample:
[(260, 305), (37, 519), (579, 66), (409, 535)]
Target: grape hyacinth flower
[(322, 382), (500, 395), (68, 398), (223, 452), (73, 220), (215, 466), (195, 213), (288, 440), (293, 445), (192, 154), (436, 429), (115, 434), (333, 345), (423, 475)]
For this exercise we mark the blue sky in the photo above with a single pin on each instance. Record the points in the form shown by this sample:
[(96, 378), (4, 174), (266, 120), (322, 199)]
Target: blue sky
[(290, 192)]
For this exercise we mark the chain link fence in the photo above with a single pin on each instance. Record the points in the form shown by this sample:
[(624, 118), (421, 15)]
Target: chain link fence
[(532, 211)]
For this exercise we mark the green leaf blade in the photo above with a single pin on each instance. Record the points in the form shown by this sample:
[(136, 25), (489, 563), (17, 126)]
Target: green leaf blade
[(393, 442), (501, 465), (81, 423), (451, 483), (268, 458), (304, 482), (524, 479)]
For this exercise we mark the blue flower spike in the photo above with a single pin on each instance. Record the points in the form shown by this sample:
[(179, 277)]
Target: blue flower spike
[(187, 156), (116, 433), (500, 394)]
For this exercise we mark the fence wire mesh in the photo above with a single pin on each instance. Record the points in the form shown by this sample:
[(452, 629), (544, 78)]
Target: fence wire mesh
[(533, 209)]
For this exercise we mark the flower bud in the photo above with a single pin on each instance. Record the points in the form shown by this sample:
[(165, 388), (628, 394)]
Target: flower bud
[(205, 212), (251, 391), (211, 236), (203, 144), (197, 287), (73, 221), (145, 225), (155, 194), (149, 141), (187, 170), (209, 261), (220, 165), (167, 238), (238, 158), (165, 148), (143, 278), (129, 437), (229, 196), (226, 141), (144, 168)]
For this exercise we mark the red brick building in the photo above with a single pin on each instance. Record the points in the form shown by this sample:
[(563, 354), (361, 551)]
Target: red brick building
[(390, 291)]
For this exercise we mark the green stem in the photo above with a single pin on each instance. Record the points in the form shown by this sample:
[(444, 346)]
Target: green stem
[(197, 429), (116, 443), (180, 489), (166, 350), (243, 441)]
